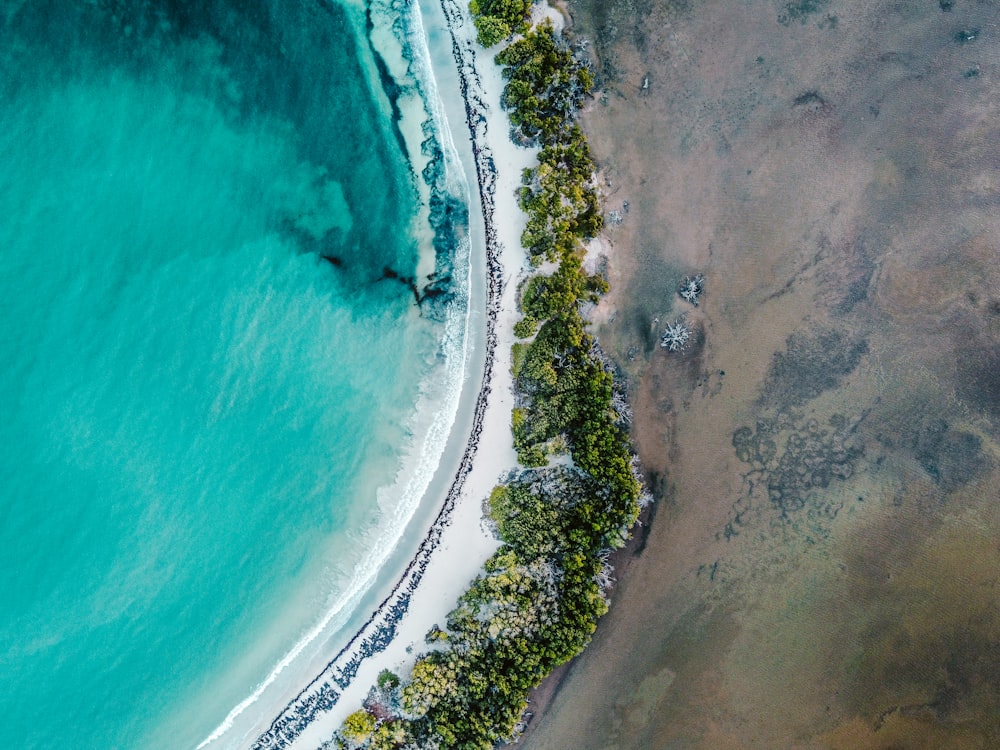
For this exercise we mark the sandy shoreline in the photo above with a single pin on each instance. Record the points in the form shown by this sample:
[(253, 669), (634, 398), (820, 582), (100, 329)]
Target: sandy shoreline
[(457, 543)]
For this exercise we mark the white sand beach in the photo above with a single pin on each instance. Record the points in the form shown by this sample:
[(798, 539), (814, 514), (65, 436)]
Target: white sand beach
[(456, 540)]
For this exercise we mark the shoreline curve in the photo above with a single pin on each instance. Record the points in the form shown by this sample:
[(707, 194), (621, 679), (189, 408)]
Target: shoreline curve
[(324, 691)]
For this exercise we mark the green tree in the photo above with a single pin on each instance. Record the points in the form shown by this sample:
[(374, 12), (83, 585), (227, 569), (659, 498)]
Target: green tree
[(491, 30), (526, 327), (513, 12), (388, 680), (358, 727)]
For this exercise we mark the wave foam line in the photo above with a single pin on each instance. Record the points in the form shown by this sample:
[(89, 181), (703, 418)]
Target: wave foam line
[(416, 488), (455, 346), (322, 694)]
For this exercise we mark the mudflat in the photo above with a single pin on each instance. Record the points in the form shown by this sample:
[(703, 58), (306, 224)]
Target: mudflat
[(822, 568)]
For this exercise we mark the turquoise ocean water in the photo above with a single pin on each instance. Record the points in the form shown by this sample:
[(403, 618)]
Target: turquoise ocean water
[(204, 421)]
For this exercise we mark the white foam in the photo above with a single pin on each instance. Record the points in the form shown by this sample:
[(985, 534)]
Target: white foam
[(430, 425)]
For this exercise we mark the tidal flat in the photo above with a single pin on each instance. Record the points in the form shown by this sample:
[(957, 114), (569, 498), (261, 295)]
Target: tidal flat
[(823, 567)]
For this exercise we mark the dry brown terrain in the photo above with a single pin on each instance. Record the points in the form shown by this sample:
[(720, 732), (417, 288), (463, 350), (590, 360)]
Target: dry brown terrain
[(823, 567)]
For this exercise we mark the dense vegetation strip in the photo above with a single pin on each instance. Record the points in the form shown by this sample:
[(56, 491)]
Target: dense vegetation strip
[(497, 19), (536, 603)]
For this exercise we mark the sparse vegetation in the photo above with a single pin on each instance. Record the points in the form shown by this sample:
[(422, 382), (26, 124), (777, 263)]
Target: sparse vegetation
[(676, 336), (692, 288)]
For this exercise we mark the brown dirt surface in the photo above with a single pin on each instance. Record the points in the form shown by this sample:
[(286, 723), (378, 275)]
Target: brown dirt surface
[(823, 566)]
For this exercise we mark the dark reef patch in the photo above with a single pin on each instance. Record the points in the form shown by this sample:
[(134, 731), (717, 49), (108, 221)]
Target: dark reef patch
[(800, 11), (846, 279), (950, 457), (811, 364), (792, 459), (979, 378), (855, 293), (966, 36), (390, 87), (810, 100)]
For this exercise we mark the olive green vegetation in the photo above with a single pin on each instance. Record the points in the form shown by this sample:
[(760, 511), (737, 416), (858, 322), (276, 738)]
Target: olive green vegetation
[(497, 19), (359, 726), (525, 328), (388, 680), (545, 87), (537, 601)]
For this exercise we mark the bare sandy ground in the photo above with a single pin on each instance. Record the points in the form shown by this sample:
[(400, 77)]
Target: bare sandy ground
[(823, 566)]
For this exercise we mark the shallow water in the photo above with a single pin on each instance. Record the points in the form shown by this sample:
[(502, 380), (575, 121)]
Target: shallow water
[(821, 568), (200, 410)]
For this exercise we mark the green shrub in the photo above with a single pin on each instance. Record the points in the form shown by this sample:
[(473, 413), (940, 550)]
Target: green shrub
[(358, 727), (491, 30), (496, 20), (532, 456), (518, 352), (388, 680), (513, 12), (525, 328)]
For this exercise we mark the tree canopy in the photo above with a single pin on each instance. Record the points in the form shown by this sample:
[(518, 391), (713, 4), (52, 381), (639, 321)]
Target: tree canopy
[(497, 19)]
